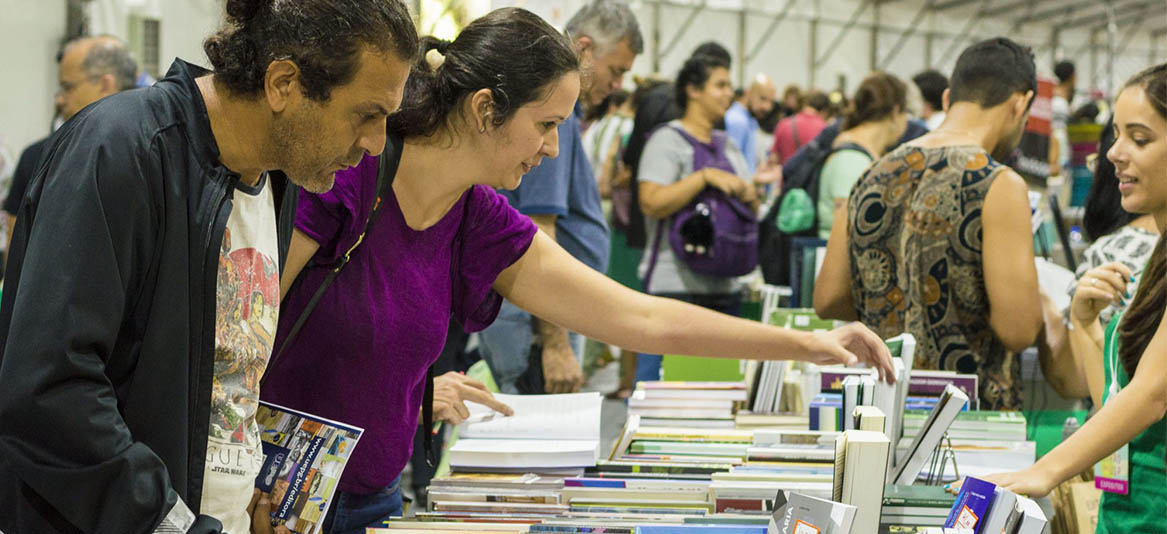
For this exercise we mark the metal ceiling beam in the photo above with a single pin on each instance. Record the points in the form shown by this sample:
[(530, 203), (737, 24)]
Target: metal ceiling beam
[(770, 30), (1061, 8), (941, 6), (1140, 7), (684, 27), (959, 40), (843, 33), (1003, 9), (903, 40)]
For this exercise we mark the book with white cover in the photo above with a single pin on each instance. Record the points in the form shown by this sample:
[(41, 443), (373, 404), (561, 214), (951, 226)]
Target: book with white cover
[(1004, 508), (860, 458), (548, 431), (795, 513), (922, 447), (1033, 520)]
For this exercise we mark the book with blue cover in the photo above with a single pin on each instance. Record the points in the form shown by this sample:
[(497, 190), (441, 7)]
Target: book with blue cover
[(972, 505)]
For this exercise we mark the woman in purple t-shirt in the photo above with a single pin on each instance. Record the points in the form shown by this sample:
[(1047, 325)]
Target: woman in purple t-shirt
[(445, 242)]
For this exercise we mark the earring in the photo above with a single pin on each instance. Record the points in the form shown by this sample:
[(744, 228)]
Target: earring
[(482, 129)]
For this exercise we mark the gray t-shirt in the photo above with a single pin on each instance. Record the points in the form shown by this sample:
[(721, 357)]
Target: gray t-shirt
[(667, 158)]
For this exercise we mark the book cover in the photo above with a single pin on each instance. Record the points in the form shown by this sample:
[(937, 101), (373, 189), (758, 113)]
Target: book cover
[(795, 513), (972, 504), (304, 456)]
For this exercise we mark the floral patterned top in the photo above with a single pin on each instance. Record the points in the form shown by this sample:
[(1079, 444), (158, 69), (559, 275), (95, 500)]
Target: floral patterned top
[(914, 232)]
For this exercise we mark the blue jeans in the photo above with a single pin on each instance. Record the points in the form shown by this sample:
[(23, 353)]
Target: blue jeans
[(352, 513), (506, 344), (648, 365)]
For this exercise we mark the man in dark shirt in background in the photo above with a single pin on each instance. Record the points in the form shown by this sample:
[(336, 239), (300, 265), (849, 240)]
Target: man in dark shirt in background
[(91, 68)]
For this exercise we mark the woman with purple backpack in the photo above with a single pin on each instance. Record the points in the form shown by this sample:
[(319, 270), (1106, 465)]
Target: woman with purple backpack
[(690, 174)]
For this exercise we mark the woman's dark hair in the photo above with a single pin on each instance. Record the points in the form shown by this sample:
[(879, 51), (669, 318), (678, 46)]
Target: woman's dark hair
[(323, 37), (695, 73), (878, 96), (1145, 313), (1104, 213), (510, 51)]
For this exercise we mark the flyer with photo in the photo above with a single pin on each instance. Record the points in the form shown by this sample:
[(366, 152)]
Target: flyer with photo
[(304, 456)]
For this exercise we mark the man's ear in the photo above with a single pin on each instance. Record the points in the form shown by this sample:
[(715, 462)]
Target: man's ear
[(108, 84), (1022, 104), (481, 112), (584, 44), (281, 84), (944, 99)]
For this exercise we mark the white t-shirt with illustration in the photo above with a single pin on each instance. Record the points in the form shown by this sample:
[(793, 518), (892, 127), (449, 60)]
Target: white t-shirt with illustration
[(247, 295)]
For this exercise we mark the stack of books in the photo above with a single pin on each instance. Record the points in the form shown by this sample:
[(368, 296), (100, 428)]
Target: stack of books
[(673, 452), (546, 432), (688, 404), (910, 507)]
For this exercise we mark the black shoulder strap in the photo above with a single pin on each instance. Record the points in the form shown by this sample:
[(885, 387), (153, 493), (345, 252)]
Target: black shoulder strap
[(386, 170)]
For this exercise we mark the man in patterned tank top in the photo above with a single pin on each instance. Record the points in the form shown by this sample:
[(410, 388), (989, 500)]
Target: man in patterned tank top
[(935, 240)]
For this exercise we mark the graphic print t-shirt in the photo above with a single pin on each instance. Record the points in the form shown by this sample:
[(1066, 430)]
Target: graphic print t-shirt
[(247, 297)]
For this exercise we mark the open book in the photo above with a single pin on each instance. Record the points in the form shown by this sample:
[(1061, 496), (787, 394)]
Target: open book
[(951, 402), (547, 431), (304, 456)]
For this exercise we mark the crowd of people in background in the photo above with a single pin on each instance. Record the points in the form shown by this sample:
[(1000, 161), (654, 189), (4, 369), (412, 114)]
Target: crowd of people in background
[(330, 229)]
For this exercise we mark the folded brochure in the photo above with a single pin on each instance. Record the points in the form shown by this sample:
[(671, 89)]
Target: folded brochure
[(304, 456)]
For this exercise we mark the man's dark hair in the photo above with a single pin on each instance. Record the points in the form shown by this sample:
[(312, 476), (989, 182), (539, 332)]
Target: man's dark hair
[(932, 85), (818, 100), (323, 38), (510, 51), (695, 73), (989, 72), (712, 48), (1064, 70)]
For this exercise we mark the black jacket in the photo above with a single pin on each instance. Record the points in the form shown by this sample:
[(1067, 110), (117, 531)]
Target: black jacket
[(107, 320)]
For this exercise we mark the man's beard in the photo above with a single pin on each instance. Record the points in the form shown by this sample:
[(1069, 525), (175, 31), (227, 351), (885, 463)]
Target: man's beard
[(292, 144)]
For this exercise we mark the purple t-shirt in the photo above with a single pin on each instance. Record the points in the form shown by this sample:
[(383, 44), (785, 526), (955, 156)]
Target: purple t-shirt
[(361, 357)]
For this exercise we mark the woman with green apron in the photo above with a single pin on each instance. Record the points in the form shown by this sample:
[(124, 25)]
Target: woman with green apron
[(1125, 368)]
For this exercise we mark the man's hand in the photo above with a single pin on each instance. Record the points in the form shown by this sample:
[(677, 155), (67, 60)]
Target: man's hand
[(561, 371), (260, 512), (452, 390)]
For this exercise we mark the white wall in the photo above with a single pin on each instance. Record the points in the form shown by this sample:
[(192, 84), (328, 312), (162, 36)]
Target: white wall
[(30, 33), (183, 24)]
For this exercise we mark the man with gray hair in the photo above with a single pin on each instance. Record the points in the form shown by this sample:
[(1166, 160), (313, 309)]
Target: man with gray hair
[(561, 196), (91, 68)]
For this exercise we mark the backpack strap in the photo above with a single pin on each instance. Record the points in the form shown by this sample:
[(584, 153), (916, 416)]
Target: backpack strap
[(386, 170)]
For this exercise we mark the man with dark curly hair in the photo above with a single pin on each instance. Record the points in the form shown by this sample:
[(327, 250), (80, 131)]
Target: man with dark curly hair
[(143, 287)]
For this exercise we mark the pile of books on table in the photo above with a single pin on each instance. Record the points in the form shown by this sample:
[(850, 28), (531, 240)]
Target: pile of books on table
[(688, 404)]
